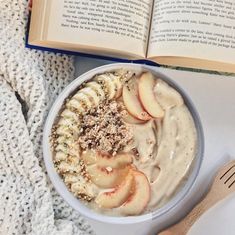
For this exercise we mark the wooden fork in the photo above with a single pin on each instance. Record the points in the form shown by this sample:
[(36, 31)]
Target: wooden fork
[(222, 186)]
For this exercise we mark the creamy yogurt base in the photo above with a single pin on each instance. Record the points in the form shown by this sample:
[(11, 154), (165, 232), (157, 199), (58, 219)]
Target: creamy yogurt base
[(166, 148), (165, 152), (168, 164)]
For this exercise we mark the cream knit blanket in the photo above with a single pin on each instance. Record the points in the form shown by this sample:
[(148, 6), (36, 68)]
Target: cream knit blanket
[(29, 82)]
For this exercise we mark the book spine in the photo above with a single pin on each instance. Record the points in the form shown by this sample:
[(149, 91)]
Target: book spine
[(75, 53)]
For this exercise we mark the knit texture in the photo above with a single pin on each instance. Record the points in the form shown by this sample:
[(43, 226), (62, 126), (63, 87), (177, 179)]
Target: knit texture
[(30, 81)]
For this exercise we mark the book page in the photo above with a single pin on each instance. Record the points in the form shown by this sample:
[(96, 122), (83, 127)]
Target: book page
[(107, 24), (201, 29)]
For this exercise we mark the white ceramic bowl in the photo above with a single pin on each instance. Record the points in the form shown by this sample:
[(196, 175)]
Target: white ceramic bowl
[(59, 184)]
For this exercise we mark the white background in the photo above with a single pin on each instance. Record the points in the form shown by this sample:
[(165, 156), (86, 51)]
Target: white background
[(214, 98)]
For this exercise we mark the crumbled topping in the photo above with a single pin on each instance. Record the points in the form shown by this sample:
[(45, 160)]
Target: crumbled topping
[(103, 129), (53, 136)]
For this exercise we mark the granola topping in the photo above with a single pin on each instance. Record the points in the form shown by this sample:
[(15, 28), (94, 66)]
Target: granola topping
[(104, 130)]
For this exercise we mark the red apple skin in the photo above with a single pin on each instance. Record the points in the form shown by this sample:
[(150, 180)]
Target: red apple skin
[(118, 195), (128, 118), (138, 200), (105, 178), (132, 102), (146, 95)]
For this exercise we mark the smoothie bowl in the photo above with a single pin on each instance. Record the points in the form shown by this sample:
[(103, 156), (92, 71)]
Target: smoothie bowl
[(123, 144)]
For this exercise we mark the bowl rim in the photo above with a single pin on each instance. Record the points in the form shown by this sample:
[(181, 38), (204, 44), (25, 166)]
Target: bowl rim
[(58, 182)]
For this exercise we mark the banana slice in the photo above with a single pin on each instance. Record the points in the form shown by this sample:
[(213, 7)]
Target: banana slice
[(68, 114), (68, 150), (64, 167), (71, 178), (109, 85), (82, 187), (64, 131), (60, 156), (84, 99), (97, 88), (76, 105), (68, 123), (69, 141), (68, 146), (118, 84), (62, 139), (74, 160), (92, 95)]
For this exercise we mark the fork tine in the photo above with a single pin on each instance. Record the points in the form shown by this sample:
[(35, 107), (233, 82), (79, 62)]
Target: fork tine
[(227, 172), (229, 178), (231, 184)]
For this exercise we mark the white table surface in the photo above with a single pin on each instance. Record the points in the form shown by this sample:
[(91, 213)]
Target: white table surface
[(214, 98)]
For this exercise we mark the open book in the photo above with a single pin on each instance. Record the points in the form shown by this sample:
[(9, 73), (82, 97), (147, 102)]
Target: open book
[(187, 33)]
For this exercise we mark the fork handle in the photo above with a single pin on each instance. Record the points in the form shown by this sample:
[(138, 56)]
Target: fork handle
[(184, 225)]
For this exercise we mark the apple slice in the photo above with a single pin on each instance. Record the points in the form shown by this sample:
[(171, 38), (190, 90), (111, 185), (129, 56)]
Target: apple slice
[(128, 118), (109, 85), (138, 200), (147, 97), (107, 177), (131, 100), (118, 195), (119, 160), (89, 157), (105, 160)]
